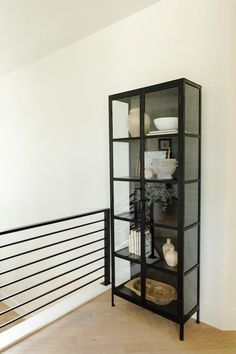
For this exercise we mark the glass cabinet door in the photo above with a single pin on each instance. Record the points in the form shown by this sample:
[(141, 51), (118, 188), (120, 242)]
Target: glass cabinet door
[(192, 196), (126, 117), (161, 198), (127, 195), (126, 137)]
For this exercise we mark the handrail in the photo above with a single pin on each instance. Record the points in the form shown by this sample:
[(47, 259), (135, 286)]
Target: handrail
[(54, 221), (99, 236)]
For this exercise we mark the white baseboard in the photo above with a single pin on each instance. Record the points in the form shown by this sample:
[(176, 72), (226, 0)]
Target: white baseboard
[(49, 315), (229, 319), (218, 317), (211, 315)]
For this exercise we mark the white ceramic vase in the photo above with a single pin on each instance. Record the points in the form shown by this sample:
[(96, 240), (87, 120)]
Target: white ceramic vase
[(134, 122), (171, 257), (167, 247)]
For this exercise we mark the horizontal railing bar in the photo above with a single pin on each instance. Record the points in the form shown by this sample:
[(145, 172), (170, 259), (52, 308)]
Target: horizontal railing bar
[(51, 256), (191, 269), (49, 303), (50, 245), (27, 227), (47, 269), (49, 292), (51, 233), (50, 279)]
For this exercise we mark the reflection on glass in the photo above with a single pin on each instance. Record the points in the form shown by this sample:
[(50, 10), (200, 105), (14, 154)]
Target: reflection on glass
[(191, 109), (123, 121), (124, 272), (190, 291), (161, 203), (128, 239), (168, 285), (163, 103), (191, 204), (127, 199), (158, 149), (191, 158), (190, 248), (126, 157)]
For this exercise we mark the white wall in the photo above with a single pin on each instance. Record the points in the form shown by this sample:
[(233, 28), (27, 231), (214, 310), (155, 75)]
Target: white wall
[(54, 122), (230, 232)]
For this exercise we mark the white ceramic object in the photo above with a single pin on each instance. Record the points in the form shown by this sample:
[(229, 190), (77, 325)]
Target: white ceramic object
[(171, 257), (148, 173), (164, 169), (167, 247), (134, 122), (166, 123)]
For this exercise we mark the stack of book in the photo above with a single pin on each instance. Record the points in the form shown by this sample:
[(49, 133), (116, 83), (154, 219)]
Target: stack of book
[(135, 242)]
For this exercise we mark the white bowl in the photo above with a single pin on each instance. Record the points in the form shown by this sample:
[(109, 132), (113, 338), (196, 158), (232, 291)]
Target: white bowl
[(166, 123)]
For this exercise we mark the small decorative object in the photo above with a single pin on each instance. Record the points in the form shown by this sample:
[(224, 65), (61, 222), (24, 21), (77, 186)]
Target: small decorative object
[(167, 247), (164, 169), (157, 292), (148, 173), (166, 123), (134, 122), (161, 194), (171, 257), (135, 242), (164, 144)]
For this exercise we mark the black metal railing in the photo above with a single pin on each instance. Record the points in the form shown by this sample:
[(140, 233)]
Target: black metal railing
[(99, 236)]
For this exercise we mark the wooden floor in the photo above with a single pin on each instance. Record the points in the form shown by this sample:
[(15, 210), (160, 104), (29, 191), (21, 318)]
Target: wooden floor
[(8, 316), (97, 328)]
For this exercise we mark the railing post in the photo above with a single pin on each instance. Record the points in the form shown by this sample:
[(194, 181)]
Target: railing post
[(107, 255)]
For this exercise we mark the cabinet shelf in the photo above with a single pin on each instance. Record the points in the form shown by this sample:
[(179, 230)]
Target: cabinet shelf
[(161, 136), (169, 311), (161, 265), (126, 140), (151, 180), (129, 216)]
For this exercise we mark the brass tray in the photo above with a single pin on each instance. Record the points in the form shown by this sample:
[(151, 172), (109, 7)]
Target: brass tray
[(157, 292)]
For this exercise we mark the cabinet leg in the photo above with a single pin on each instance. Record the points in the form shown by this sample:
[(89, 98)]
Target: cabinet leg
[(198, 317), (181, 331), (112, 299)]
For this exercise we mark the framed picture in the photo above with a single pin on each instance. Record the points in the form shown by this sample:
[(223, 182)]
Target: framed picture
[(164, 144)]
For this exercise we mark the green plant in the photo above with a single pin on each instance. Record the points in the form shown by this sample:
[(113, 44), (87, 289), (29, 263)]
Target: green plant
[(161, 194)]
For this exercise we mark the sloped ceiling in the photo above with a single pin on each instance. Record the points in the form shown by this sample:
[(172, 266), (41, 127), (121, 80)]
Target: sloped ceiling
[(31, 29)]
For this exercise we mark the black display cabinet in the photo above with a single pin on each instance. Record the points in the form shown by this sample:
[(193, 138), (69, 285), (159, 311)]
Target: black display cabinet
[(155, 196)]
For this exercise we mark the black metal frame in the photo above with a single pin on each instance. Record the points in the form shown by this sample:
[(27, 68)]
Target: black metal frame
[(105, 246), (180, 317)]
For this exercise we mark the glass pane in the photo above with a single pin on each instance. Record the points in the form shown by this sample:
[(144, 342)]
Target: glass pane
[(127, 159), (127, 199), (191, 158), (161, 290), (190, 248), (191, 204), (157, 150), (190, 291), (128, 239), (125, 270), (191, 109), (126, 117), (162, 104), (156, 238), (161, 203)]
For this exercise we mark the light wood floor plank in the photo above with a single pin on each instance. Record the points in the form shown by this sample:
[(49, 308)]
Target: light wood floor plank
[(97, 328)]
